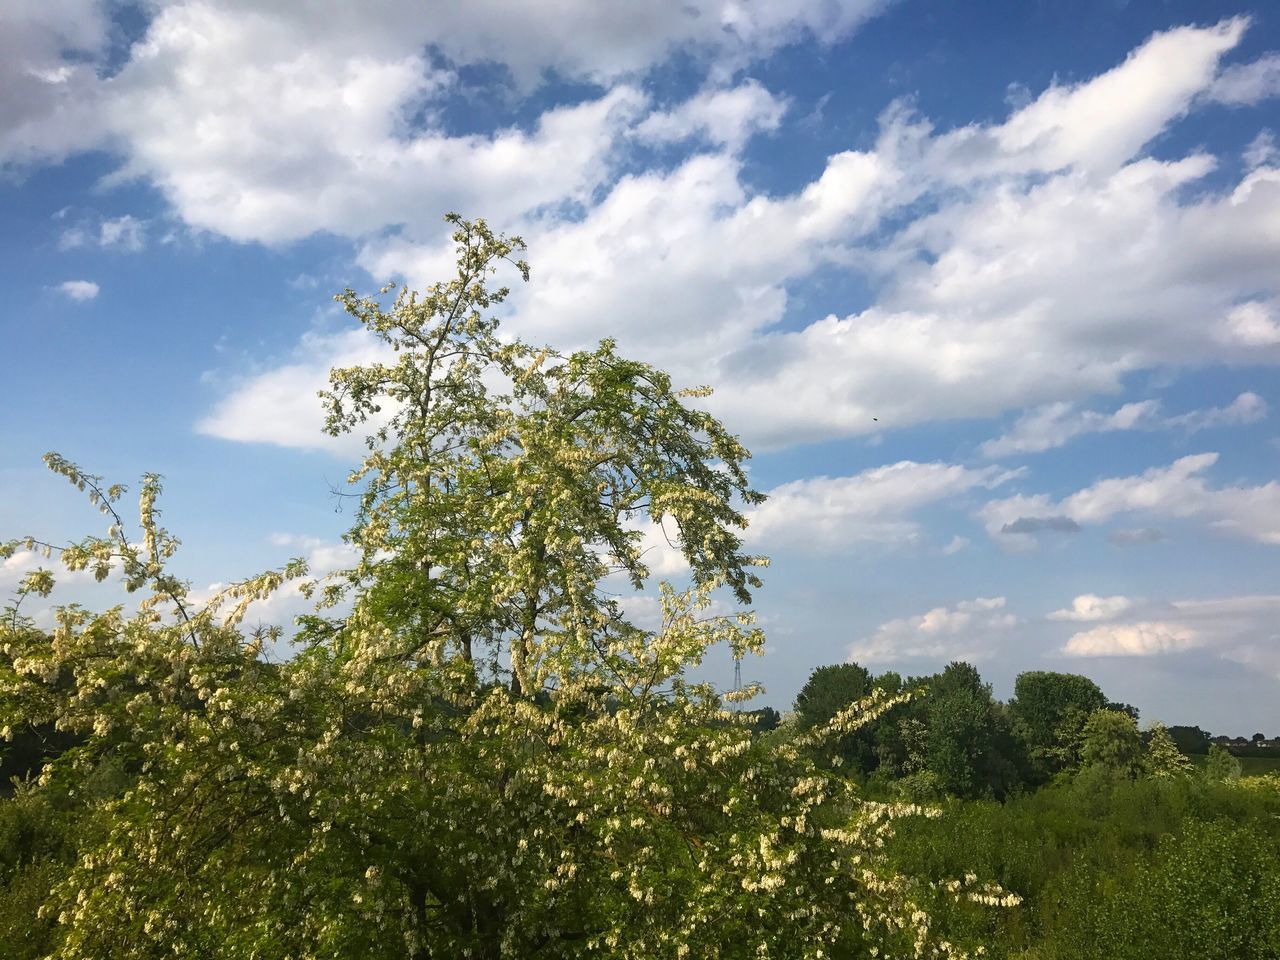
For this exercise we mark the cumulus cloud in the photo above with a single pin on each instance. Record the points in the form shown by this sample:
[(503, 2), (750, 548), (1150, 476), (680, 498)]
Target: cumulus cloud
[(1056, 423), (875, 505), (967, 631), (1179, 490), (722, 116), (1090, 606), (79, 290), (269, 123), (1140, 639), (1241, 628), (1246, 408), (358, 64), (282, 406), (980, 310), (49, 87), (660, 548)]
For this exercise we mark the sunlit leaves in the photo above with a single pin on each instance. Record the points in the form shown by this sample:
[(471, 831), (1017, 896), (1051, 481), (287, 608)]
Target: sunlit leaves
[(481, 756)]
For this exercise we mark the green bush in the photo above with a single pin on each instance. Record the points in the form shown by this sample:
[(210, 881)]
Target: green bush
[(1111, 867)]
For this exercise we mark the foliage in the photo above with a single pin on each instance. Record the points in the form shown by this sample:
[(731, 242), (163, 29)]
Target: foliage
[(1101, 861), (483, 757), (970, 745), (1163, 758), (952, 737), (1208, 894), (829, 690), (1192, 741), (1221, 764), (1049, 711), (36, 848), (1110, 739), (504, 483)]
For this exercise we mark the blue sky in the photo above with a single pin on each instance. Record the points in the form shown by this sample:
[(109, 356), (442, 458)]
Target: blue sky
[(991, 289)]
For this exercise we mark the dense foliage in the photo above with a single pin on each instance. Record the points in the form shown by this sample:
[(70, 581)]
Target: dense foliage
[(472, 751), (1110, 867), (1129, 850)]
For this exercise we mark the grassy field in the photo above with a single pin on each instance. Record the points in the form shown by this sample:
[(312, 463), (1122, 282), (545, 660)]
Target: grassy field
[(1249, 766)]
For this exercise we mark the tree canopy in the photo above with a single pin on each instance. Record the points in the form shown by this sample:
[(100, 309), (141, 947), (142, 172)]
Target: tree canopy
[(478, 754), (1049, 710)]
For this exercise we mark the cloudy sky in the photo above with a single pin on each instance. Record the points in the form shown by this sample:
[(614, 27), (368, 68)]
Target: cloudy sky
[(992, 289)]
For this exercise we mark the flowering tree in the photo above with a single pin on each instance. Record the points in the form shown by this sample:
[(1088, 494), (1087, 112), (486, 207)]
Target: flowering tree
[(1163, 759), (483, 757)]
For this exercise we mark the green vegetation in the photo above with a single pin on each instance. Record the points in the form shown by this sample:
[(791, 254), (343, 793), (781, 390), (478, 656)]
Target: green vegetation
[(473, 752), (1115, 868), (1130, 848)]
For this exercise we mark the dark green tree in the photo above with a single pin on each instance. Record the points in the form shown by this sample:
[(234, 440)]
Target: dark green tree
[(1049, 711), (829, 690), (1190, 740), (970, 747)]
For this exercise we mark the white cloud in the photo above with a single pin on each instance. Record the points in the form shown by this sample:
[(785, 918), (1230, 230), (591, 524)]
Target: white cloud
[(72, 238), (1254, 324), (125, 233), (660, 549), (269, 123), (1245, 84), (79, 290), (1140, 639), (830, 513), (1101, 123), (1242, 629), (723, 116), (257, 136), (282, 406), (691, 266), (968, 631), (1090, 606), (587, 39), (14, 568), (1054, 424), (1246, 408), (1179, 490)]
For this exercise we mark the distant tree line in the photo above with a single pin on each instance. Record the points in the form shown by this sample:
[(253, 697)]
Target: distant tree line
[(954, 738)]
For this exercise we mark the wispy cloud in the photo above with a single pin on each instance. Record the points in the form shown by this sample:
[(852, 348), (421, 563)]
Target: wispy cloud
[(1179, 490), (1055, 424)]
